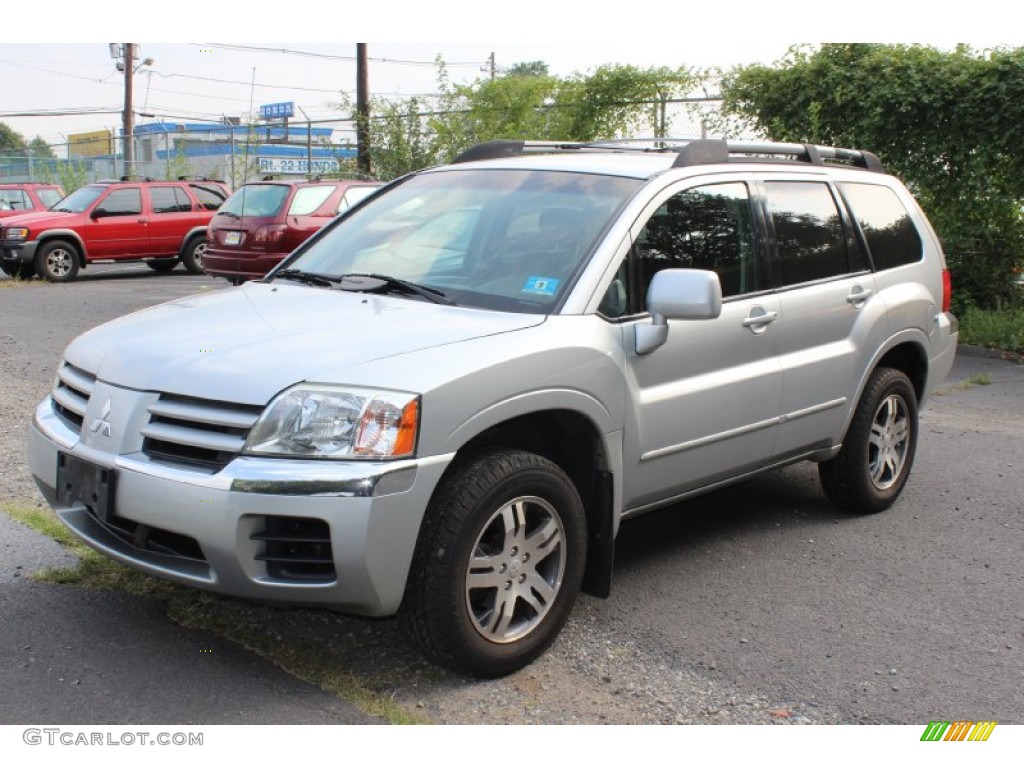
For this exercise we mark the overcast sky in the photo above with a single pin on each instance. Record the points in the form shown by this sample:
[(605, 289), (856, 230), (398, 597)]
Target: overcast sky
[(73, 71)]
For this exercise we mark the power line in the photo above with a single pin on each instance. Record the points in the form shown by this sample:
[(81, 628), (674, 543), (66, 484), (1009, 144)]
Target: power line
[(336, 57)]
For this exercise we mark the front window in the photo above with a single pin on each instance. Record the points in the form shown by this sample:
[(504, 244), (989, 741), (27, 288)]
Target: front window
[(507, 240), (79, 200)]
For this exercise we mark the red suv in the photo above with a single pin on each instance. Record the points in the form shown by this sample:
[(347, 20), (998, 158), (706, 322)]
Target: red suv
[(159, 222), (263, 222), (27, 196)]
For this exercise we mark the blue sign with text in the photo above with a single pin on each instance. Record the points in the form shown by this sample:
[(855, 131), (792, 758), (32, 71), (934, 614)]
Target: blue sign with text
[(279, 110)]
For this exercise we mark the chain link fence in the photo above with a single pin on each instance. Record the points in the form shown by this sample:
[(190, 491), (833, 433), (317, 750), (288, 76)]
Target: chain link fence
[(240, 153)]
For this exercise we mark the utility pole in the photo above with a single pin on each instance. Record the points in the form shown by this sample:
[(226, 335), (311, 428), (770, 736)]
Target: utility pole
[(362, 111), (128, 131), (494, 67)]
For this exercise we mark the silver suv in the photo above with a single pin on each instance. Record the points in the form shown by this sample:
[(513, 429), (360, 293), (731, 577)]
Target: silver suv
[(444, 404)]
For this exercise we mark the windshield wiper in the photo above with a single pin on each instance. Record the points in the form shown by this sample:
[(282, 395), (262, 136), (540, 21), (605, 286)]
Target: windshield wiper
[(368, 282), (309, 278), (232, 214)]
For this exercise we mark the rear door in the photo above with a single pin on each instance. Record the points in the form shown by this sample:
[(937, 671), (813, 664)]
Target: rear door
[(831, 316), (308, 211), (171, 219)]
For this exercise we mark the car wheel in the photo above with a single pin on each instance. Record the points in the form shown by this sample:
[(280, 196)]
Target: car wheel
[(162, 265), (871, 469), (192, 254), (498, 565), (57, 262)]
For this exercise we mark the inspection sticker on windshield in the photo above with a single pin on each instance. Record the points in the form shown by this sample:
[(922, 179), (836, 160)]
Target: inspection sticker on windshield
[(544, 286)]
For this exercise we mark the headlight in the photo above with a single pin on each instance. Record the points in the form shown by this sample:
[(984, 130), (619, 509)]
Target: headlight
[(337, 423), (16, 233)]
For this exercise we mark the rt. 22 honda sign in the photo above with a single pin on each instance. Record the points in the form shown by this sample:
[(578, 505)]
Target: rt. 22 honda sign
[(297, 165)]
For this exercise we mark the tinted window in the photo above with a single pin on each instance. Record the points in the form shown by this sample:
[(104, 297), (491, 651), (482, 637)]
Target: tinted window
[(210, 196), (308, 199), (164, 200), (704, 228), (256, 200), (809, 237), (891, 236), (123, 202)]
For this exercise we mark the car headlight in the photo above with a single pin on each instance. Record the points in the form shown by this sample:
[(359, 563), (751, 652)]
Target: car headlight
[(327, 422), (16, 233)]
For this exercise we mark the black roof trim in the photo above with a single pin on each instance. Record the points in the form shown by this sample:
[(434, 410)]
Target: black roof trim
[(689, 152)]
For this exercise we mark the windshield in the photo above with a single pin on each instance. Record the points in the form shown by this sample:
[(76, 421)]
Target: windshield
[(508, 240), (256, 200), (79, 200)]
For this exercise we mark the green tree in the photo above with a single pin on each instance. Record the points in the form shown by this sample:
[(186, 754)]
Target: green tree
[(613, 101), (949, 123), (40, 149), (528, 69), (11, 142)]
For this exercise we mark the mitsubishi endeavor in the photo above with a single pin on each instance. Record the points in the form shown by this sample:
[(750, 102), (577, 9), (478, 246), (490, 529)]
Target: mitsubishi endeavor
[(443, 404)]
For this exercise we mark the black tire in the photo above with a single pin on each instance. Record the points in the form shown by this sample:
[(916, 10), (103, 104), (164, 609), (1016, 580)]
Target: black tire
[(494, 617), (19, 271), (870, 471), (162, 265), (192, 254), (57, 261)]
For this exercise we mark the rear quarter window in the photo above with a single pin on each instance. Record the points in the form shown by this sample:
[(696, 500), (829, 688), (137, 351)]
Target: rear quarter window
[(890, 235), (211, 197)]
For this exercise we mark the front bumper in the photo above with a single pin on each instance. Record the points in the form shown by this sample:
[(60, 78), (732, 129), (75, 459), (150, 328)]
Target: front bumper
[(17, 252), (207, 529)]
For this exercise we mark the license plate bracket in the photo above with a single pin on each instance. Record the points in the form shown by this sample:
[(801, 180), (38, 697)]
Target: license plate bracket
[(82, 482), (232, 238)]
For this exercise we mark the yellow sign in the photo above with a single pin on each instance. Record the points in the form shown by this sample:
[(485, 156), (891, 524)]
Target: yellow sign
[(92, 144)]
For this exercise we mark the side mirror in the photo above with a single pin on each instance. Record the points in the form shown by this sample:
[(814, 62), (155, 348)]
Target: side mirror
[(678, 294), (99, 213)]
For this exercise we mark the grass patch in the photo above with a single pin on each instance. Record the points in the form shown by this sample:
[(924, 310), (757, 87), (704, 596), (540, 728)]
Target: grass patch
[(994, 328), (314, 660), (977, 380), (14, 284)]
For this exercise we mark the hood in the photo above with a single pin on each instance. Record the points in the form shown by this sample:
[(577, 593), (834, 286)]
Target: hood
[(35, 217), (246, 344)]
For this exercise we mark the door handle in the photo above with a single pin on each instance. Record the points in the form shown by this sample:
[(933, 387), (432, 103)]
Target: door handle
[(764, 318), (858, 296)]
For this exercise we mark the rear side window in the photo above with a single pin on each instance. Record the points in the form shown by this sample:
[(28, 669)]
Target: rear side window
[(210, 196), (891, 236), (809, 236), (353, 195), (169, 200), (308, 199)]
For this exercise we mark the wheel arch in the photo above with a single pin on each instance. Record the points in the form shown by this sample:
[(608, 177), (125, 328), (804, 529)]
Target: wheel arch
[(81, 252), (589, 457), (194, 232)]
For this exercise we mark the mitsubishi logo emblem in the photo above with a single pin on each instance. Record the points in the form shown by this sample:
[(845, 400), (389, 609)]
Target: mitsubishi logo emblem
[(101, 424)]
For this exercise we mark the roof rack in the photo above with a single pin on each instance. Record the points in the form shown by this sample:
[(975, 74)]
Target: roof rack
[(689, 152)]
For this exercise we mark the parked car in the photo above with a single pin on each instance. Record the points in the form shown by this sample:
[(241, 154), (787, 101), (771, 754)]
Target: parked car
[(445, 402), (264, 221), (159, 222), (27, 196)]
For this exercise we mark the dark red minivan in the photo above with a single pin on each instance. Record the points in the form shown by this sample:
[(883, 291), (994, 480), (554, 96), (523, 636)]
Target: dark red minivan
[(262, 222)]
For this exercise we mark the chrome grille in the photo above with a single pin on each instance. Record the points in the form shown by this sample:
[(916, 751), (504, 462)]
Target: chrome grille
[(71, 393), (201, 433)]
